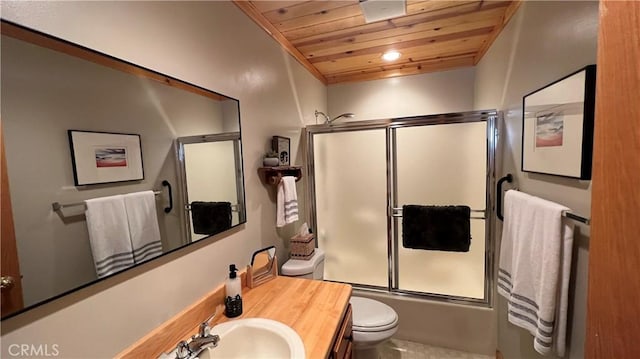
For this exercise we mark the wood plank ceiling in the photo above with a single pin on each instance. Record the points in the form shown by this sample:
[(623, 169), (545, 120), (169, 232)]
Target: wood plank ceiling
[(334, 42)]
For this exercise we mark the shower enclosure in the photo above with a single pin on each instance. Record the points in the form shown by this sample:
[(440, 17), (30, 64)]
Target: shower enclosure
[(362, 173)]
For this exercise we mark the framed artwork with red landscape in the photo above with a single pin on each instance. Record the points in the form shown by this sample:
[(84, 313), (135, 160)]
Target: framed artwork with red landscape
[(557, 126), (104, 157)]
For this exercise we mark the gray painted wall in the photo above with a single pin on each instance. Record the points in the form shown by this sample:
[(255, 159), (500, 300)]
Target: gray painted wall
[(424, 94), (543, 42)]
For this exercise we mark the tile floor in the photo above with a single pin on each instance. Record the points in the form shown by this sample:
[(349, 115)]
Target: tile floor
[(402, 349)]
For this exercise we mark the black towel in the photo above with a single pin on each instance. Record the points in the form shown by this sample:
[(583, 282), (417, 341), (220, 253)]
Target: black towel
[(210, 217), (438, 228)]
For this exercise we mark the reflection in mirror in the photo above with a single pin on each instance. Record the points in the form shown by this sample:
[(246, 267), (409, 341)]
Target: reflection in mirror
[(189, 137), (262, 260), (212, 190)]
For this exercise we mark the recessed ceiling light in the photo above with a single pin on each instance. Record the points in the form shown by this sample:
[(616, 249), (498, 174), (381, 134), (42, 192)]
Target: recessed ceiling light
[(391, 55)]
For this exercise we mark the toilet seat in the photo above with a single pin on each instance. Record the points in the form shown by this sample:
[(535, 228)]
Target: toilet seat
[(370, 316)]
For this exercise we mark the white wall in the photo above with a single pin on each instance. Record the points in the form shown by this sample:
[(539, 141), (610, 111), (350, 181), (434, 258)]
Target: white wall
[(426, 94), (210, 44), (543, 42)]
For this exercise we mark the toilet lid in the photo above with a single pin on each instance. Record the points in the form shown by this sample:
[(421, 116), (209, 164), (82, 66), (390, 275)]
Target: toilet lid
[(372, 316)]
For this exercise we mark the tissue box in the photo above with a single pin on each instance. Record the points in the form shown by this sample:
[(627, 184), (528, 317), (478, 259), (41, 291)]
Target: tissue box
[(303, 246)]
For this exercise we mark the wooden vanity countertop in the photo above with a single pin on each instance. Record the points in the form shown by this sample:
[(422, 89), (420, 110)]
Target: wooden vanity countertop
[(313, 308)]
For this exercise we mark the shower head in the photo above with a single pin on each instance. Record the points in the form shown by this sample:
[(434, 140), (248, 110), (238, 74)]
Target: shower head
[(345, 115), (328, 121)]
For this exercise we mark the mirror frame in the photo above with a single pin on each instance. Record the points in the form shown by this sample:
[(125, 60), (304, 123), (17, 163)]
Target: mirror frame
[(179, 144), (38, 38), (265, 249)]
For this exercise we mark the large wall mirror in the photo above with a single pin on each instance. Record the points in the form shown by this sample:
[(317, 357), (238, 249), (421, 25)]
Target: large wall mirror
[(161, 162)]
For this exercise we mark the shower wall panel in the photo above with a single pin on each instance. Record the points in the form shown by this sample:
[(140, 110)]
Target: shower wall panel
[(351, 201)]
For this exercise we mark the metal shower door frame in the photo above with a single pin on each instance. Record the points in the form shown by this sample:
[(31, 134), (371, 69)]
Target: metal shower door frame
[(180, 142), (490, 117), (390, 126)]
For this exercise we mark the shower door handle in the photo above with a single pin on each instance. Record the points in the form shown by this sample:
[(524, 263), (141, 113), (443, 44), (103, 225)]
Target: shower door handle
[(508, 178), (166, 183)]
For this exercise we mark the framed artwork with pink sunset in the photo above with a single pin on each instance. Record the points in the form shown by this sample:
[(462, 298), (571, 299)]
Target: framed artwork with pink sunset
[(557, 126), (104, 157)]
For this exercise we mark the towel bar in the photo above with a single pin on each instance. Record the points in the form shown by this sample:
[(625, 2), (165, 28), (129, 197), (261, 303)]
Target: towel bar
[(472, 217), (399, 209), (473, 210), (57, 206), (576, 217), (234, 207), (272, 175), (509, 178)]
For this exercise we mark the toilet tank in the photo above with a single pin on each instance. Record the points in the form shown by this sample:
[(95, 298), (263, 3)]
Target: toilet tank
[(311, 269)]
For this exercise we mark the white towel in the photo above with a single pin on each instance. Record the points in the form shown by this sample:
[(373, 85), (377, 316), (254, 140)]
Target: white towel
[(143, 225), (109, 234), (535, 264), (287, 201)]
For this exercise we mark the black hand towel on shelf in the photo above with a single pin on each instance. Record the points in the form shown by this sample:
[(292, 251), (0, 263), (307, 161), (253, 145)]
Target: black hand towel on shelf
[(438, 228), (210, 217)]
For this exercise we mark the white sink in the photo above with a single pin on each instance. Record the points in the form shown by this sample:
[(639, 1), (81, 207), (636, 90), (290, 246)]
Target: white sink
[(255, 338)]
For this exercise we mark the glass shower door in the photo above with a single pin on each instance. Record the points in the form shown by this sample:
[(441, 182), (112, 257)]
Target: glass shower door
[(351, 199), (444, 164)]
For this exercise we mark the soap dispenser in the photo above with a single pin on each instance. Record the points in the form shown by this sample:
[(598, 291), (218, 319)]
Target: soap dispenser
[(233, 298)]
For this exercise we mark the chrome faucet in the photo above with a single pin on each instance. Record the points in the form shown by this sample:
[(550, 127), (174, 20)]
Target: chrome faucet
[(198, 342), (203, 339)]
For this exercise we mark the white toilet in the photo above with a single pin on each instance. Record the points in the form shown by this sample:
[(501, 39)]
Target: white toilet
[(373, 322)]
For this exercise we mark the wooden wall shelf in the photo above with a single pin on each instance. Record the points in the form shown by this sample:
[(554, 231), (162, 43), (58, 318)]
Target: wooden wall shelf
[(272, 175)]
